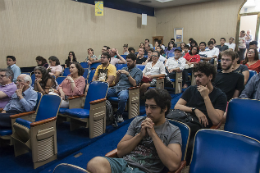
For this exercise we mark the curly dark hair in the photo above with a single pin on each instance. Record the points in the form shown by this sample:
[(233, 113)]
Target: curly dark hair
[(205, 68), (161, 97), (45, 76), (79, 67)]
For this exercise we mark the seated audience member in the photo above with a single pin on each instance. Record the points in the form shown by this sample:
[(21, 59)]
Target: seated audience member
[(116, 58), (131, 50), (152, 71), (73, 85), (54, 68), (71, 58), (230, 44), (160, 50), (214, 42), (169, 51), (7, 87), (212, 52), (44, 82), (162, 46), (193, 43), (146, 41), (150, 143), (173, 40), (146, 49), (98, 59), (253, 45), (241, 69), (23, 100), (252, 60), (41, 61), (156, 43), (182, 46), (149, 56), (185, 50), (203, 53), (141, 45), (204, 102), (193, 56), (125, 51), (242, 45), (190, 39), (91, 56), (231, 83), (11, 64), (176, 64), (105, 72), (140, 56), (222, 47), (127, 77), (252, 88)]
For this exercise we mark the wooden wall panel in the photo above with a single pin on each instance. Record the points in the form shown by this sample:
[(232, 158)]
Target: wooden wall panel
[(29, 28)]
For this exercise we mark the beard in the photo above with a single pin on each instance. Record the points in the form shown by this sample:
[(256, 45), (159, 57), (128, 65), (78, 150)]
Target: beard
[(227, 68)]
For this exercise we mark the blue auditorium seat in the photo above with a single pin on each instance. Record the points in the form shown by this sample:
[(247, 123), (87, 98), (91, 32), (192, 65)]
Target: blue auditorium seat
[(91, 75), (33, 79), (84, 64), (141, 67), (120, 66), (60, 79), (68, 168), (243, 117), (66, 71), (218, 151), (124, 56), (95, 65), (251, 74), (85, 74)]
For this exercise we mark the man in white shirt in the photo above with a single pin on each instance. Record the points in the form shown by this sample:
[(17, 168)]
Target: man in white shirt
[(230, 44), (176, 64), (212, 52), (203, 52)]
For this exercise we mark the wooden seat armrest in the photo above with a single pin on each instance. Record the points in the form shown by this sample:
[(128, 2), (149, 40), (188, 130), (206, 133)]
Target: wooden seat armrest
[(160, 78), (1, 109), (21, 114), (216, 126), (183, 164), (112, 153), (43, 121), (97, 101), (74, 97), (132, 88)]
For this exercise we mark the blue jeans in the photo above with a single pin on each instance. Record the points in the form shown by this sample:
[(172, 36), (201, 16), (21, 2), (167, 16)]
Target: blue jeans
[(122, 99)]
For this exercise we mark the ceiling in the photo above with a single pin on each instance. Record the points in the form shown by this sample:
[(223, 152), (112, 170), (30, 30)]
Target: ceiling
[(156, 4)]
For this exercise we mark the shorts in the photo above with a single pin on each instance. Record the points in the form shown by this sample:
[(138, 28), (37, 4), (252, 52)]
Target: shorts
[(119, 165)]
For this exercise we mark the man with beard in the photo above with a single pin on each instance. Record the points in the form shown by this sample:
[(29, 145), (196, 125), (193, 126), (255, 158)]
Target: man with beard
[(231, 83), (205, 103), (150, 143), (129, 76)]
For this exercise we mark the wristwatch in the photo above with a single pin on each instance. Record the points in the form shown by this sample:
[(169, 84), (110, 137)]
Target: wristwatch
[(193, 110), (127, 75)]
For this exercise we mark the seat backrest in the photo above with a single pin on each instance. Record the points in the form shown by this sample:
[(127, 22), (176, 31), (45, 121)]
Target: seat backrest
[(124, 56), (243, 116), (60, 79), (94, 65), (68, 168), (91, 74), (185, 136), (85, 74), (221, 151), (120, 66), (66, 71), (39, 97), (84, 64), (141, 67), (49, 107), (97, 90), (251, 74), (33, 79)]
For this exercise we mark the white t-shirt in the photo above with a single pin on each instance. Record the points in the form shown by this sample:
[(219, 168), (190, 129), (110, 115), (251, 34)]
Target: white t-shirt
[(162, 58), (242, 42), (203, 54), (214, 51), (231, 46), (158, 68), (173, 63)]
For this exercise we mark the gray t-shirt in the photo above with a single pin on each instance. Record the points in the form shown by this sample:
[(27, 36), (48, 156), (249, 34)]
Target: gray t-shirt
[(241, 68), (145, 156)]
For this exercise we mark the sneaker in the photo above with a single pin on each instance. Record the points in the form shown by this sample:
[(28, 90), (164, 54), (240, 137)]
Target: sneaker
[(120, 119)]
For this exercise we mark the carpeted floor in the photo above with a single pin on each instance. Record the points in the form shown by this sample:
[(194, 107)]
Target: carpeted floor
[(71, 144)]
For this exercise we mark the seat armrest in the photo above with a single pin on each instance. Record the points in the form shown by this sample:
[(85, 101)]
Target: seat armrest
[(97, 101), (132, 88), (43, 121), (74, 97), (21, 114), (160, 78), (112, 153), (182, 165)]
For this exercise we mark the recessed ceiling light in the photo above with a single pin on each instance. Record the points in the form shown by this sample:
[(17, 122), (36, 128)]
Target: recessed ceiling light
[(162, 1)]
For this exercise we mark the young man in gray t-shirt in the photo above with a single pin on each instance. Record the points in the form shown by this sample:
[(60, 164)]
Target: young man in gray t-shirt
[(150, 143)]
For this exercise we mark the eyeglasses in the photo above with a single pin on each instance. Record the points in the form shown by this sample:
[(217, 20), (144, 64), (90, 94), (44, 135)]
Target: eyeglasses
[(154, 56), (251, 52), (225, 59), (2, 76), (70, 54)]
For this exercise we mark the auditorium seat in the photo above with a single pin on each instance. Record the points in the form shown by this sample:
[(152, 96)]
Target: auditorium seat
[(66, 71), (185, 135), (251, 74), (243, 117), (93, 115), (60, 79), (218, 151), (84, 65), (91, 74), (120, 66), (68, 168), (85, 74), (37, 132), (177, 83), (124, 56), (94, 65), (141, 67), (33, 79)]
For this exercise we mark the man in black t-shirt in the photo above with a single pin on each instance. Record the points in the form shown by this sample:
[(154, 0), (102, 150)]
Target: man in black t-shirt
[(231, 83), (140, 56)]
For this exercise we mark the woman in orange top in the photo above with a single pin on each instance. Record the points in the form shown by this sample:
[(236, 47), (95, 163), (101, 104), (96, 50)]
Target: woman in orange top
[(252, 60)]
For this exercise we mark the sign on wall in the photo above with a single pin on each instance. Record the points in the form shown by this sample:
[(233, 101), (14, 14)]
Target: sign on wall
[(99, 10)]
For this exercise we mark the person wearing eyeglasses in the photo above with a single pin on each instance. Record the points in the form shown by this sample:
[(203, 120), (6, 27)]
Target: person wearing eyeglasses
[(71, 58), (7, 87), (252, 60), (230, 82), (23, 100)]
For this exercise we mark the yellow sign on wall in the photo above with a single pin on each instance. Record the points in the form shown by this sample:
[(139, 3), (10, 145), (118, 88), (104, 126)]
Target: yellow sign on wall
[(99, 8)]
